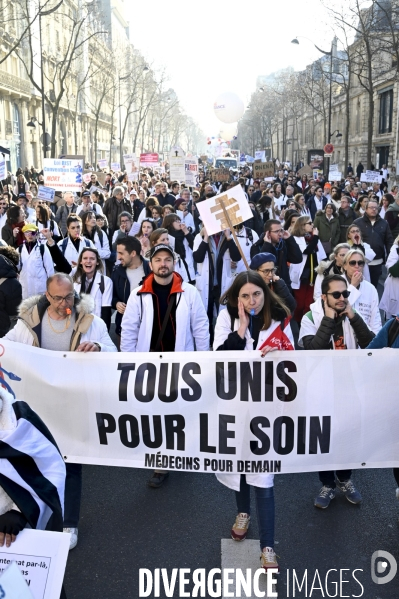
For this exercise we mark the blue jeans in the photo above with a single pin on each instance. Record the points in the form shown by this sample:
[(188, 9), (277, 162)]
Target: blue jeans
[(264, 509), (327, 477)]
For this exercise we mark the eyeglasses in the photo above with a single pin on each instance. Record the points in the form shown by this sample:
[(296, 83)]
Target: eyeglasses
[(356, 263), (310, 223), (58, 299), (278, 231), (337, 294), (267, 271), (355, 231)]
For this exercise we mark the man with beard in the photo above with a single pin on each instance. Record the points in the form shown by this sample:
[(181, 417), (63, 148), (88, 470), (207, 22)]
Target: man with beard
[(332, 323), (164, 314)]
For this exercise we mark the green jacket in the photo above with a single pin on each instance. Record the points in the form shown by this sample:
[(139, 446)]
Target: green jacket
[(328, 229)]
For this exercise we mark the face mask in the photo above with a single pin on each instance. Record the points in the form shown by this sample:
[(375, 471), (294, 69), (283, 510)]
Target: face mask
[(210, 194)]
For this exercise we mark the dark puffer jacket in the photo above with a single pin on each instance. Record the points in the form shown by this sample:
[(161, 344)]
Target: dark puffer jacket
[(10, 294)]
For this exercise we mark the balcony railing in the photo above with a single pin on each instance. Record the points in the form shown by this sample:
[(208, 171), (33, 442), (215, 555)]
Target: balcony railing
[(8, 127), (14, 83)]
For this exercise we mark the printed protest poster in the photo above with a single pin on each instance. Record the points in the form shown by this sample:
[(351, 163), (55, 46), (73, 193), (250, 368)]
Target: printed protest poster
[(102, 163), (260, 155), (191, 171), (177, 168), (236, 205), (13, 585), (149, 160), (46, 193), (41, 557), (63, 175), (132, 166), (334, 176), (87, 177), (260, 170), (371, 177), (115, 166)]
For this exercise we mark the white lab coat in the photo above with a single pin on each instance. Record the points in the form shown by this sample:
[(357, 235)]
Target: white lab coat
[(365, 301), (70, 251), (296, 270), (34, 270), (390, 298), (100, 299)]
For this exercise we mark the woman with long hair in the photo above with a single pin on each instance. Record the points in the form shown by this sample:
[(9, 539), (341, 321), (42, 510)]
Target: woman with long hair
[(91, 231), (22, 186), (44, 220), (11, 233), (332, 266), (157, 215), (184, 242), (97, 198), (147, 212), (360, 206), (89, 278), (255, 318), (300, 200), (147, 226), (355, 241), (303, 184), (328, 225), (279, 197), (303, 275)]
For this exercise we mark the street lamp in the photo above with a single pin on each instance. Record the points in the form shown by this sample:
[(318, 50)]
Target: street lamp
[(32, 122), (330, 54)]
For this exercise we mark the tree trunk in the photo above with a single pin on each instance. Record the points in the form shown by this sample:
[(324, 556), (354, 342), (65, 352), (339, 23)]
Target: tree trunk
[(347, 124)]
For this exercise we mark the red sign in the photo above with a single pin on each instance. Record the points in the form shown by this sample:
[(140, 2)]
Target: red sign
[(328, 149), (149, 159)]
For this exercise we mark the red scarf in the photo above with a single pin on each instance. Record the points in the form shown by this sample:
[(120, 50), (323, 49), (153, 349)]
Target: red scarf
[(20, 237)]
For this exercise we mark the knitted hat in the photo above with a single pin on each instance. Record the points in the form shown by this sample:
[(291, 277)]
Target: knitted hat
[(260, 259)]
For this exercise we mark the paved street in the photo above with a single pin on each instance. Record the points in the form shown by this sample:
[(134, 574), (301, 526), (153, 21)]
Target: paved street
[(126, 526)]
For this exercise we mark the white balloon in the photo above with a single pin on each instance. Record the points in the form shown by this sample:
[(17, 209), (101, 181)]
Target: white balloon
[(228, 107), (228, 131)]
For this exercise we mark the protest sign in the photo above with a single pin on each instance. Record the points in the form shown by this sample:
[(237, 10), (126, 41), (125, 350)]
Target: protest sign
[(260, 155), (334, 176), (115, 166), (188, 410), (213, 215), (191, 171), (102, 163), (132, 166), (305, 170), (41, 557), (87, 177), (260, 170), (63, 175), (177, 168), (45, 193), (3, 169), (371, 177), (149, 160), (220, 175), (333, 167)]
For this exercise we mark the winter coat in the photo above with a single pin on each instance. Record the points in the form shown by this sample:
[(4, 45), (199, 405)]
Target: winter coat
[(345, 222), (381, 340), (296, 270), (10, 294), (168, 199), (311, 204), (378, 236), (390, 297), (223, 329), (329, 230), (192, 324), (121, 289), (392, 218), (365, 301), (62, 215), (317, 330), (35, 268), (87, 326)]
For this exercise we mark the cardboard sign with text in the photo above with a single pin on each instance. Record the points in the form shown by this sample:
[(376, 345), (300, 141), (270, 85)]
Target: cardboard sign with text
[(260, 170), (220, 174), (305, 170), (236, 205)]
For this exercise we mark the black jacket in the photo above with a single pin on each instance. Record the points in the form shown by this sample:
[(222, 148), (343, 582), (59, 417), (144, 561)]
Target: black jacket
[(168, 199), (121, 289), (288, 251), (10, 294), (345, 222), (378, 236), (312, 205), (280, 288), (112, 209), (322, 339)]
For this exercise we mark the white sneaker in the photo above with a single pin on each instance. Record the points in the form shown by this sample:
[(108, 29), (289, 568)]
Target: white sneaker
[(74, 537)]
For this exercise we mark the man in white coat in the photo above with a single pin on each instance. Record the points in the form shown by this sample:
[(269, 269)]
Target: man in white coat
[(35, 263), (62, 321), (164, 314)]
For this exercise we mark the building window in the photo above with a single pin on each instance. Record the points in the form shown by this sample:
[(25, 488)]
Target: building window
[(386, 104)]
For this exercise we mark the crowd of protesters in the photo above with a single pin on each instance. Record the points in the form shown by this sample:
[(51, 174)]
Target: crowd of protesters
[(138, 251)]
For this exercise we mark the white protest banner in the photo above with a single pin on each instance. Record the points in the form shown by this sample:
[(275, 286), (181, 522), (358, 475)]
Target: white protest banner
[(102, 163), (177, 168), (13, 585), (236, 205), (209, 411), (63, 175), (115, 166), (41, 556), (334, 176), (371, 177), (333, 167), (3, 169), (45, 193), (87, 177), (191, 171), (260, 155)]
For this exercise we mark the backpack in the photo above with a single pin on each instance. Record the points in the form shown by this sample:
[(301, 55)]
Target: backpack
[(65, 243), (100, 233)]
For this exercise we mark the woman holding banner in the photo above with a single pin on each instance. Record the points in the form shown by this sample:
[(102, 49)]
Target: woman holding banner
[(255, 318)]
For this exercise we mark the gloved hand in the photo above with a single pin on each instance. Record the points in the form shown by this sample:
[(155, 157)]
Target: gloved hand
[(11, 523)]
